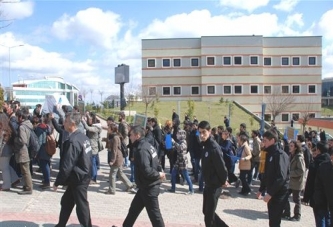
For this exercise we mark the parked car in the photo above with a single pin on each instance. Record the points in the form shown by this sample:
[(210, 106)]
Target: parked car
[(328, 136)]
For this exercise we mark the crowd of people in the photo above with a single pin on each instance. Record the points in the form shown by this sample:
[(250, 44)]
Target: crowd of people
[(197, 154)]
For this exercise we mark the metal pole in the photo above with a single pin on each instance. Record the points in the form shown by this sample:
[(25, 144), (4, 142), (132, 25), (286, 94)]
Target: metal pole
[(122, 99), (10, 80)]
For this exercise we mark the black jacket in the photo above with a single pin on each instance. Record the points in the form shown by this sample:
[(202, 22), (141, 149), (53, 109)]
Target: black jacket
[(213, 167), (194, 145), (75, 163), (157, 132), (307, 155), (323, 196), (276, 177), (310, 180), (146, 164)]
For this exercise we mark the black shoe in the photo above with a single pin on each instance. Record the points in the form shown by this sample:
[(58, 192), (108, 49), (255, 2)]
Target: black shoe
[(237, 183), (286, 217), (25, 193), (244, 193), (295, 218), (171, 190)]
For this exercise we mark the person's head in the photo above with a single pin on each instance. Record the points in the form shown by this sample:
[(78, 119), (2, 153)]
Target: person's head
[(93, 118), (112, 128), (214, 131), (194, 125), (109, 120), (72, 121), (242, 127), (35, 121), (181, 135), (153, 121), (168, 124), (22, 114), (17, 104), (76, 108), (136, 133), (121, 116), (242, 139), (225, 134), (220, 128), (301, 138), (269, 138), (5, 129), (65, 109), (229, 129), (294, 147), (255, 133), (204, 130), (322, 148)]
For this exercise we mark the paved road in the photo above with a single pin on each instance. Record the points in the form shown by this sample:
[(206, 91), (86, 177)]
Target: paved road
[(178, 210)]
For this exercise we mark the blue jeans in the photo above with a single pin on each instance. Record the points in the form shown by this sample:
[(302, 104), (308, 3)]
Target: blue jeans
[(132, 178), (94, 167), (322, 218), (45, 167), (126, 161), (186, 176)]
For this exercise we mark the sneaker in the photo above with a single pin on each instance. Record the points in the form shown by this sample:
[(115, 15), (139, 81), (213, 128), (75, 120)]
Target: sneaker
[(14, 185), (237, 183), (45, 186), (109, 193), (131, 189), (25, 192), (189, 193), (295, 218)]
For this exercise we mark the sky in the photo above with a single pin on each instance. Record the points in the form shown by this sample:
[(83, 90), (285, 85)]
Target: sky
[(83, 41)]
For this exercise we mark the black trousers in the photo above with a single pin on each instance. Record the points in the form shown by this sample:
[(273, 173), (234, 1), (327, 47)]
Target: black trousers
[(276, 206), (210, 198), (148, 198), (75, 195)]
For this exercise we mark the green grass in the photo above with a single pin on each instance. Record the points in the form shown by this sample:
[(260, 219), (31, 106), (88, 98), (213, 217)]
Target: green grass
[(327, 111)]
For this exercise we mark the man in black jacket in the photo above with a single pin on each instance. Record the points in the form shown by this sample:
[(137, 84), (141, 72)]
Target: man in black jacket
[(148, 178), (214, 173), (75, 172), (276, 178)]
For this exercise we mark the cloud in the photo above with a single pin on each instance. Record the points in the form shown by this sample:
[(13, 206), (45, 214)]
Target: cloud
[(325, 25), (90, 25), (295, 19), (12, 10), (286, 5), (248, 5)]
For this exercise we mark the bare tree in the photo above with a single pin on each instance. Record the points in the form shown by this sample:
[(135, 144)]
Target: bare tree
[(308, 112), (278, 102), (148, 97), (84, 93), (91, 92), (101, 94)]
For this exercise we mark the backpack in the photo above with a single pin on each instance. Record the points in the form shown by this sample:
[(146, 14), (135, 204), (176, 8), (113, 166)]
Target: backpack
[(50, 145), (33, 145)]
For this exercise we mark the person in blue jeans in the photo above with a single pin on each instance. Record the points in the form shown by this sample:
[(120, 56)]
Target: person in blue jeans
[(181, 162)]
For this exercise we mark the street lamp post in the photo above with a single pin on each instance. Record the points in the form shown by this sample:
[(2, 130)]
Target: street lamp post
[(9, 70)]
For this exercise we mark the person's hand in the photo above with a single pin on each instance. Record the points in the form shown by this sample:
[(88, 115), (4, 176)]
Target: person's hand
[(226, 184), (267, 197), (162, 176), (258, 195), (55, 188)]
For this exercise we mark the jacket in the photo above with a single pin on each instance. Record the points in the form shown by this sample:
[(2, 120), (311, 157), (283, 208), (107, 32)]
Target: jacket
[(42, 131), (157, 133), (63, 135), (276, 177), (194, 145), (213, 167), (21, 142), (123, 130), (181, 149), (93, 133), (75, 164), (115, 157), (226, 147), (146, 164), (246, 154), (256, 150), (297, 170), (323, 196)]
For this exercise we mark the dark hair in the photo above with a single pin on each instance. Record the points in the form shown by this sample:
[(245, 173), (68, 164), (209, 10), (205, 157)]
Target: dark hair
[(138, 130), (297, 146), (122, 114), (38, 105), (204, 125), (255, 132), (243, 138), (154, 120), (220, 127), (24, 113), (322, 147), (74, 117), (301, 138), (270, 134), (229, 129), (243, 125), (110, 119)]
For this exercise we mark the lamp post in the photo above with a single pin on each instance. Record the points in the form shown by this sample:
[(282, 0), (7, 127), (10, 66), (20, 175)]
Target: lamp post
[(9, 48)]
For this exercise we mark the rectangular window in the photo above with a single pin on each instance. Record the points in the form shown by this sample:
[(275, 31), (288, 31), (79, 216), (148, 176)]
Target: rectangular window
[(296, 89), (176, 62), (254, 60), (237, 60), (177, 90), (210, 90), (151, 63), (268, 117), (312, 115), (210, 60), (312, 89), (312, 61), (166, 63), (195, 62), (296, 61), (227, 89), (254, 89), (285, 89), (238, 89), (285, 61), (226, 60), (267, 61), (295, 116), (195, 90), (166, 91), (285, 117), (152, 90), (268, 89)]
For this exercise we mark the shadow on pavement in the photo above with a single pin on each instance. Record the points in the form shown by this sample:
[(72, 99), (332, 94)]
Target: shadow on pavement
[(18, 224), (248, 214)]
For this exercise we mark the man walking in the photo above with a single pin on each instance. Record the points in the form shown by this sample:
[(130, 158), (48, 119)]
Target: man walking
[(147, 178), (214, 174), (75, 172)]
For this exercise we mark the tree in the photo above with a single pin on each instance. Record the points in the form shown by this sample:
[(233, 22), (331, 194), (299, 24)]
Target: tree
[(147, 98), (1, 95), (278, 102), (91, 92), (309, 108), (84, 93), (190, 108), (101, 94)]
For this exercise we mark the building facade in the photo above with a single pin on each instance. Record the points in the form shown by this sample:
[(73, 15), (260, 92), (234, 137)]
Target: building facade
[(247, 69), (32, 92), (327, 91)]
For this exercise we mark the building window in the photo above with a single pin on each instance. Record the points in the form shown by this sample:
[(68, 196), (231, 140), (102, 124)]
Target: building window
[(195, 90), (285, 117), (237, 60), (296, 61), (226, 60), (268, 117), (152, 91), (195, 62), (210, 90), (151, 63), (166, 91), (177, 90), (227, 89), (312, 115), (296, 89), (267, 89), (285, 61), (254, 89), (267, 61), (295, 116), (312, 61), (238, 89), (210, 60), (176, 62), (253, 60), (166, 63), (312, 89), (285, 89)]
